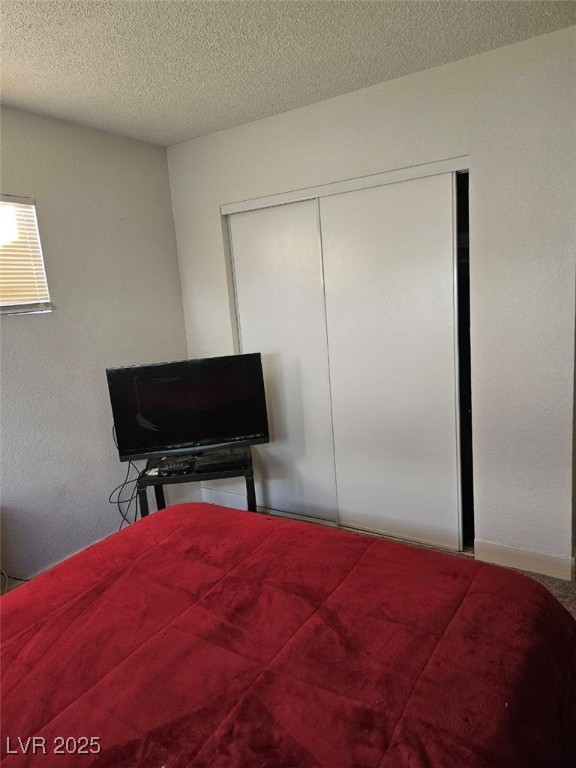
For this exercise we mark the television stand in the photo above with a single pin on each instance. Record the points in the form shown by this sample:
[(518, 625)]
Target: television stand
[(210, 465)]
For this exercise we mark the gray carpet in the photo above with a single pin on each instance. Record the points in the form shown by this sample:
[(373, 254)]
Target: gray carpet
[(564, 591)]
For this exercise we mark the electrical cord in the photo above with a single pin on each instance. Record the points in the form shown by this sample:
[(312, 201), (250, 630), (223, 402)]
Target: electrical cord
[(7, 578), (116, 495), (117, 498)]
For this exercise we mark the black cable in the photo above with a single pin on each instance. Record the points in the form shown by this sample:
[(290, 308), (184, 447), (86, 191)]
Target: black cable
[(12, 578), (115, 496), (132, 498), (7, 578)]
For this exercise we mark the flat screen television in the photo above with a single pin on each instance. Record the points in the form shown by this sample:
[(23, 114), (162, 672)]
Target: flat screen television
[(188, 406)]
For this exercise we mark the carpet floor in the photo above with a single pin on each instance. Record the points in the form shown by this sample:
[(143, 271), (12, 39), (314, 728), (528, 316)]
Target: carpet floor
[(563, 591)]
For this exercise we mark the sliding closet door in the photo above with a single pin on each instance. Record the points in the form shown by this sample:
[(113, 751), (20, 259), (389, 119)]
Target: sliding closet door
[(278, 277), (389, 275)]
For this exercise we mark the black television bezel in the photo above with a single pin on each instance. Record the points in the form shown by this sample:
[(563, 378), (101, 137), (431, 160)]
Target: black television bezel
[(198, 447)]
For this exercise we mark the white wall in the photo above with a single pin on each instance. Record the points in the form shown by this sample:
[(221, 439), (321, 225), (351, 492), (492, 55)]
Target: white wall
[(512, 111), (106, 225)]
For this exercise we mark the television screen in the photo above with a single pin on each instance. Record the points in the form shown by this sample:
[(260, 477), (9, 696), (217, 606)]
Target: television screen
[(188, 406)]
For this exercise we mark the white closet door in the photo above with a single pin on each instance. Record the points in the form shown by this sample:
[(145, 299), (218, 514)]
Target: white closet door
[(280, 301), (389, 275)]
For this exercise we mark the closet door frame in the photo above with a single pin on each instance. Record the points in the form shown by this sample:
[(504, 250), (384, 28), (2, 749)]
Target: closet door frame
[(451, 165), (349, 185)]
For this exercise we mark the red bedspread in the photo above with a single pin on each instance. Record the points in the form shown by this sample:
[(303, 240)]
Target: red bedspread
[(203, 636)]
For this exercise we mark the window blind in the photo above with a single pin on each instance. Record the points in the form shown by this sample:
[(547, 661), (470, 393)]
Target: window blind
[(23, 286)]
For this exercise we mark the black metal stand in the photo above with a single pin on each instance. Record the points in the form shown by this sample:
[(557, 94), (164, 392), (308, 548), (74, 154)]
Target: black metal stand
[(244, 469)]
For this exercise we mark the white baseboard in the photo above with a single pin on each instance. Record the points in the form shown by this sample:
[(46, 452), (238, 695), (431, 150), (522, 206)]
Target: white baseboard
[(182, 494), (238, 501), (224, 498), (525, 559), (487, 551)]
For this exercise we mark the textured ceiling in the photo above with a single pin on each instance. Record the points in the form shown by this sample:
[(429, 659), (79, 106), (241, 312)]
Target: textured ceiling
[(166, 71)]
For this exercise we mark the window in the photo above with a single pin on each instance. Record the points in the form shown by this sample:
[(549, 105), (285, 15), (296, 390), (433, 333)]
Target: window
[(23, 286)]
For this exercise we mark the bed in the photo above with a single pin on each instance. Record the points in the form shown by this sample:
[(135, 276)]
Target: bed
[(206, 636)]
